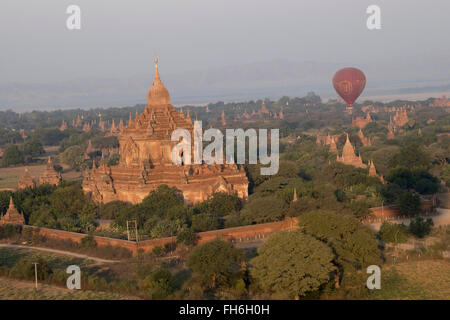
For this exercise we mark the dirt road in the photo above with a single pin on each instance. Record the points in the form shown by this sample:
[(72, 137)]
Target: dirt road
[(67, 253)]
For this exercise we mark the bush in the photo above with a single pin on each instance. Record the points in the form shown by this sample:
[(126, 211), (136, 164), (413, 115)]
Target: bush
[(310, 263), (419, 227), (25, 269), (158, 285), (393, 232), (157, 251), (88, 242), (187, 237), (11, 156), (9, 231), (27, 234), (409, 203), (215, 262)]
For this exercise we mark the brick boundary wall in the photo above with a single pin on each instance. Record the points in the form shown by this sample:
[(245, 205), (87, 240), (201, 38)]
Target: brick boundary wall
[(393, 212), (76, 237), (236, 234)]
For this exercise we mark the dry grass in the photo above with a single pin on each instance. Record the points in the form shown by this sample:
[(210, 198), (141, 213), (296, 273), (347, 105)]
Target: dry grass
[(9, 177), (425, 279), (24, 290), (433, 277)]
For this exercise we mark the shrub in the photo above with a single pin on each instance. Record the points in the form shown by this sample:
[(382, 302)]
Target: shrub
[(27, 234), (160, 284), (25, 269), (9, 231), (187, 237), (393, 232), (215, 262), (310, 264), (419, 227), (88, 242), (169, 247), (409, 203), (157, 251)]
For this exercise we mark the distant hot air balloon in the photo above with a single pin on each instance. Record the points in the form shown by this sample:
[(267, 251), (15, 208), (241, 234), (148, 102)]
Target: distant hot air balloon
[(349, 83)]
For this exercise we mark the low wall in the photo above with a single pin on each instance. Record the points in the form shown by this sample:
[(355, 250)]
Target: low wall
[(237, 234), (393, 211), (76, 237)]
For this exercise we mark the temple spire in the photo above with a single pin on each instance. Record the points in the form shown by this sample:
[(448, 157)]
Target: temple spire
[(156, 70)]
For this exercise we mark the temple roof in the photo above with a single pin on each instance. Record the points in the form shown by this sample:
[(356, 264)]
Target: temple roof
[(348, 148)]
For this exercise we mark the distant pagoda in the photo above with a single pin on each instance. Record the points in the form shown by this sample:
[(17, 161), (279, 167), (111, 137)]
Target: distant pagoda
[(50, 175), (349, 157), (12, 215), (26, 181)]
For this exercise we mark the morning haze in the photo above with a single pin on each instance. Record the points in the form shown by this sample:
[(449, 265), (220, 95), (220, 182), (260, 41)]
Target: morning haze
[(214, 50)]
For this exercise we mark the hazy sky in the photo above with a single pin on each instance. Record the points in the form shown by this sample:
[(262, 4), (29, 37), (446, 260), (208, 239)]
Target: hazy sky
[(120, 38)]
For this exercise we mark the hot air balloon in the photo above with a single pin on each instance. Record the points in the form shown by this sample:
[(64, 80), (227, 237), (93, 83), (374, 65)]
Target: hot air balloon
[(349, 83)]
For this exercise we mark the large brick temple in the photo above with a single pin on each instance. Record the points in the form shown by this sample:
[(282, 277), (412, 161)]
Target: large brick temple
[(145, 159)]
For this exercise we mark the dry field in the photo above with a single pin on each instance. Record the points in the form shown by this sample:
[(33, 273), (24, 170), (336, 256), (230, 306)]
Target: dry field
[(24, 290), (432, 277), (427, 279), (14, 289), (9, 177)]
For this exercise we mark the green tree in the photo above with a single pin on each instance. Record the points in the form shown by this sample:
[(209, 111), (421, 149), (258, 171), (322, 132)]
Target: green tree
[(354, 244), (4, 200), (160, 200), (215, 262), (360, 208), (420, 227), (409, 203), (223, 204), (158, 285), (263, 209), (204, 222), (411, 155), (73, 156), (187, 237), (24, 268), (12, 156), (292, 264), (112, 209), (393, 232), (33, 147), (88, 242)]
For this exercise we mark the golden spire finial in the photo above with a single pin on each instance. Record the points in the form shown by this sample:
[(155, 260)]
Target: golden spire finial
[(156, 69)]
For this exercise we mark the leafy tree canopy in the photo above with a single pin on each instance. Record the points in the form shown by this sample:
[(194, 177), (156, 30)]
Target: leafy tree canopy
[(292, 264)]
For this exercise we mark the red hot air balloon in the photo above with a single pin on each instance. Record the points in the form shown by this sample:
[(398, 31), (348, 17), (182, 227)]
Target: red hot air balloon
[(349, 83)]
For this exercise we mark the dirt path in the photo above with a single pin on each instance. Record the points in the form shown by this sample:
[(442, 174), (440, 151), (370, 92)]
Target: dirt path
[(67, 253)]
